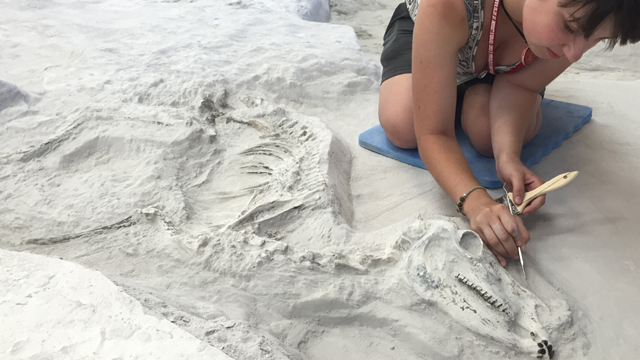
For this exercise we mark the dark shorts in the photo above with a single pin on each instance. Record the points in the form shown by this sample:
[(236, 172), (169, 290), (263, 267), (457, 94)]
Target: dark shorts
[(398, 45)]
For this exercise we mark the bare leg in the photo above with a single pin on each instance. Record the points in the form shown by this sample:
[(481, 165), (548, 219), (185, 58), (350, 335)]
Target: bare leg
[(475, 119), (395, 111)]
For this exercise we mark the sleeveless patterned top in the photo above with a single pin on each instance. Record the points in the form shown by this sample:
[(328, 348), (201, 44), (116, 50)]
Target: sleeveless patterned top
[(467, 53)]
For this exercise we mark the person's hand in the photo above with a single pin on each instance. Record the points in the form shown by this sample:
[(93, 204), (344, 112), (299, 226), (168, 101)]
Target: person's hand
[(519, 180), (500, 231)]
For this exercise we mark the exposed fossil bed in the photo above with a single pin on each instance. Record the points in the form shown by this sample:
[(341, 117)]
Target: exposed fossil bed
[(181, 179)]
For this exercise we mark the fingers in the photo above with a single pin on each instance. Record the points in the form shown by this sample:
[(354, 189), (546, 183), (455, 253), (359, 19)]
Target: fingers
[(517, 188), (532, 180), (500, 234), (495, 245), (523, 235), (534, 205), (507, 231)]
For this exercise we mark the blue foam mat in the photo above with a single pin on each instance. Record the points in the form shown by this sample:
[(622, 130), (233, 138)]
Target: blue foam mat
[(559, 121)]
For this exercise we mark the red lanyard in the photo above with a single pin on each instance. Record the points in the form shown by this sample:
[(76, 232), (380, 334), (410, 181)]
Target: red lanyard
[(527, 56)]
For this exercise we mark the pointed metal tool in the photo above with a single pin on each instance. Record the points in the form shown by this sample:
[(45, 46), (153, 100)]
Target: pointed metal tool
[(514, 213), (524, 274)]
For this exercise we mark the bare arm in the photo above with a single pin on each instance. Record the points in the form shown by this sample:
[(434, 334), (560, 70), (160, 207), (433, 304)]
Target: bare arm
[(514, 97), (440, 30), (513, 101)]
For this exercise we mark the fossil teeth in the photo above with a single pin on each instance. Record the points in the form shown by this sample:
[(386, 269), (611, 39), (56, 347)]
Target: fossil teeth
[(493, 301)]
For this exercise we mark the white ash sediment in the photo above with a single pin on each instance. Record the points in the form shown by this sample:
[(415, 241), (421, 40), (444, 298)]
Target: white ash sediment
[(255, 244), (106, 156)]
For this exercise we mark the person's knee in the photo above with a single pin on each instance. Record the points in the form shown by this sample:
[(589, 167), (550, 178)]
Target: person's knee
[(475, 118), (482, 144), (479, 132), (485, 149), (534, 127), (395, 111), (400, 132)]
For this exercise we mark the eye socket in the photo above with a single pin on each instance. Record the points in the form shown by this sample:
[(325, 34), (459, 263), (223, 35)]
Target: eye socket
[(470, 243)]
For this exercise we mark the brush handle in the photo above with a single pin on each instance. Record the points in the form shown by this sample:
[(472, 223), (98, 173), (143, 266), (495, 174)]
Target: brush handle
[(553, 184)]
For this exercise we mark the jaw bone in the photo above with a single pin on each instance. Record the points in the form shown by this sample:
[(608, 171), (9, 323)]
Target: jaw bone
[(453, 270)]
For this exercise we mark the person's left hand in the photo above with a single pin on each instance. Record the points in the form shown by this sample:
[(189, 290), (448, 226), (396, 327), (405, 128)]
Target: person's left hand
[(520, 179)]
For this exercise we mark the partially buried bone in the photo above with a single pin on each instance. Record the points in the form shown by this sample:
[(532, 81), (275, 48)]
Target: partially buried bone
[(453, 270)]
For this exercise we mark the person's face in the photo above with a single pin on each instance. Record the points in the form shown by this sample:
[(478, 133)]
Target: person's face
[(552, 35)]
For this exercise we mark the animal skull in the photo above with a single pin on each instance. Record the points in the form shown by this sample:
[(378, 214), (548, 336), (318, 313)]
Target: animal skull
[(452, 269)]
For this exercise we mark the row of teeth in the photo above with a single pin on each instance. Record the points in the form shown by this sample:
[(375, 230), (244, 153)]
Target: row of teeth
[(493, 301)]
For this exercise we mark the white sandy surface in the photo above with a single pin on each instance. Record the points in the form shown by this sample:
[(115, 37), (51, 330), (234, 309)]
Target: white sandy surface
[(203, 157), (82, 314)]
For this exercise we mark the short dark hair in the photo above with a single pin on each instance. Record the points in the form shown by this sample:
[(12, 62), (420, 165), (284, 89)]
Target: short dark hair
[(625, 16)]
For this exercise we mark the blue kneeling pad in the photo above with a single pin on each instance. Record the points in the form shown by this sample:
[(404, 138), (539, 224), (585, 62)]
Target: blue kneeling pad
[(559, 121)]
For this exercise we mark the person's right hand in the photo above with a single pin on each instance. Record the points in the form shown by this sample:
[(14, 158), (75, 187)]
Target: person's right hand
[(519, 179), (500, 231)]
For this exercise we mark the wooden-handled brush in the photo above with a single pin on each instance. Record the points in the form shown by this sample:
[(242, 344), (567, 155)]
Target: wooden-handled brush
[(553, 184)]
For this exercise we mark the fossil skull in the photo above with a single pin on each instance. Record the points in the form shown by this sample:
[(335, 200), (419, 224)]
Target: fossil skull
[(452, 269)]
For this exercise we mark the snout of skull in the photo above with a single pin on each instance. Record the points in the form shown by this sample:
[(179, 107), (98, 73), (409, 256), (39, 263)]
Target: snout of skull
[(545, 349)]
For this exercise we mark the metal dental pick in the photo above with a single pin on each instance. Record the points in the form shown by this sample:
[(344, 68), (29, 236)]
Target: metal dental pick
[(524, 274)]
